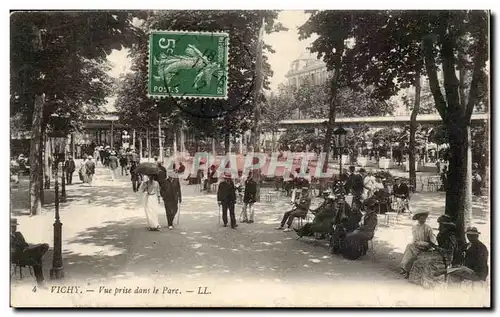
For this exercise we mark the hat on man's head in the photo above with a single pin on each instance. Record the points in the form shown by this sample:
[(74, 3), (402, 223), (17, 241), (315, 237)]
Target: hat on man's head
[(13, 222), (418, 213), (362, 170), (370, 202), (472, 230), (446, 221)]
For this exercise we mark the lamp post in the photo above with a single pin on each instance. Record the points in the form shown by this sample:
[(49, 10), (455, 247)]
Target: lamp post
[(339, 137), (57, 272)]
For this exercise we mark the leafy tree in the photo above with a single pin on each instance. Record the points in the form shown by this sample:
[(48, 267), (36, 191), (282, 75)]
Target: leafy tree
[(58, 68), (392, 49), (334, 44), (216, 118)]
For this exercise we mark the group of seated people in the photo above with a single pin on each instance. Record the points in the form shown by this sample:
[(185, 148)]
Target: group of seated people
[(429, 260), (348, 228)]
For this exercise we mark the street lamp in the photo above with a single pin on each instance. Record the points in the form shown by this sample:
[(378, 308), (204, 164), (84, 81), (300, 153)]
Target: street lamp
[(339, 138), (56, 272)]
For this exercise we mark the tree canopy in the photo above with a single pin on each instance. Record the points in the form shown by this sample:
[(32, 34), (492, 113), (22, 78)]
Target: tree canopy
[(63, 55), (211, 117)]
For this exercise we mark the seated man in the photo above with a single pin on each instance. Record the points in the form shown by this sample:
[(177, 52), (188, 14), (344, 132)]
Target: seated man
[(327, 199), (24, 254), (300, 210), (402, 192), (356, 242), (323, 220), (475, 265), (423, 239)]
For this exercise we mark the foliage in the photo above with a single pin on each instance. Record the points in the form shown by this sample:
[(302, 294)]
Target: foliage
[(68, 63), (209, 117)]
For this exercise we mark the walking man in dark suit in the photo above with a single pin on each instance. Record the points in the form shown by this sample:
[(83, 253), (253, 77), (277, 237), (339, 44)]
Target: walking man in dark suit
[(170, 191), (226, 197), (249, 198), (69, 166)]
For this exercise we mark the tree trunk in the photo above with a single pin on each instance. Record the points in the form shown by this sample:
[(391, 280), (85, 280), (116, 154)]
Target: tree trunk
[(133, 138), (174, 145), (140, 146), (227, 143), (456, 191), (112, 135), (214, 152), (333, 107), (43, 154), (273, 141), (413, 128), (160, 143), (148, 144), (468, 182), (35, 159), (257, 95)]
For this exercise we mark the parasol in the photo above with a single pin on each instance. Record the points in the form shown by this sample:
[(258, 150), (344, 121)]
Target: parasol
[(147, 169)]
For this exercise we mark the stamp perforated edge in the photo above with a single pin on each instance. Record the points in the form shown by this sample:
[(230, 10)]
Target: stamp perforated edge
[(187, 97)]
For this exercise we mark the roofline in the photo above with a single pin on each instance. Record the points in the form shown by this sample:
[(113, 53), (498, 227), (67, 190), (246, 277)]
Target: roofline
[(375, 120), (292, 73)]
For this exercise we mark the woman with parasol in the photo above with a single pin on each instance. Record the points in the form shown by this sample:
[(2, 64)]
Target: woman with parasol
[(151, 194)]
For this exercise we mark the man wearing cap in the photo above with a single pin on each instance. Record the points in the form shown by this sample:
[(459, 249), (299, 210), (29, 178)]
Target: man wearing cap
[(475, 265), (300, 210), (226, 197), (423, 239), (25, 254)]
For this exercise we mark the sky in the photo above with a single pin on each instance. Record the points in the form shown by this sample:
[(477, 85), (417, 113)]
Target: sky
[(286, 44)]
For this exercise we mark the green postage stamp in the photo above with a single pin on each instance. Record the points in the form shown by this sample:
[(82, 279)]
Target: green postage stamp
[(188, 64)]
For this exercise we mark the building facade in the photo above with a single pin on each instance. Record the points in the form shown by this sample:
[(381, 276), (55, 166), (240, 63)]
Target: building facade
[(307, 68)]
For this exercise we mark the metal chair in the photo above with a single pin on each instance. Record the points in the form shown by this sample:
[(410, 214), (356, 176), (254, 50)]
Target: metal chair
[(433, 183), (272, 195), (15, 265)]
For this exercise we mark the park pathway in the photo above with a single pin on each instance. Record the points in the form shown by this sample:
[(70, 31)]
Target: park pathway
[(105, 243)]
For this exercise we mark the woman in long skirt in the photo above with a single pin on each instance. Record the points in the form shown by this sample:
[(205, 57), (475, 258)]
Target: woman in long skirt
[(151, 196), (83, 173), (425, 270)]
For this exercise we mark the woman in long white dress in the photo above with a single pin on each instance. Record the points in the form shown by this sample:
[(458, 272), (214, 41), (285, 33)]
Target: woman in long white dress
[(151, 195)]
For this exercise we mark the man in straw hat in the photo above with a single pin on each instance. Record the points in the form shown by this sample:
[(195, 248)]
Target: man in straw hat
[(24, 254), (475, 265), (423, 238), (300, 210), (226, 197)]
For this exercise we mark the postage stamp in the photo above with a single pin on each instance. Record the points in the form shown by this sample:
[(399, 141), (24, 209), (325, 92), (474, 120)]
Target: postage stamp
[(188, 64)]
